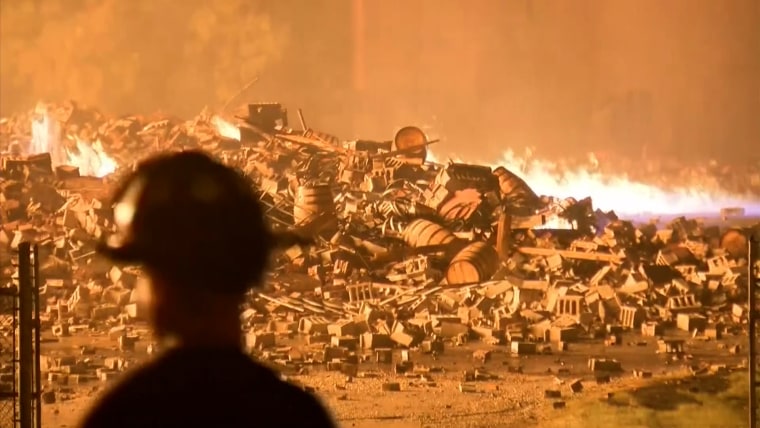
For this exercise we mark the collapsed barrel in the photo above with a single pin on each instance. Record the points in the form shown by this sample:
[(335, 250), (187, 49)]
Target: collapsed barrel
[(735, 241), (514, 189), (423, 233), (413, 141), (476, 263), (312, 203)]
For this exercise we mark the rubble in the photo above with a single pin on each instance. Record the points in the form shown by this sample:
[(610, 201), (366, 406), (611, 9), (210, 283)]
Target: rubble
[(410, 254)]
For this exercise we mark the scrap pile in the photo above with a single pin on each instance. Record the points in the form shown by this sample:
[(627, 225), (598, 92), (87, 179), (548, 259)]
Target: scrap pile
[(409, 253)]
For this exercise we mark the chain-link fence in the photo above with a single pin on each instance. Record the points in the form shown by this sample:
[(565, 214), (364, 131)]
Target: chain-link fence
[(8, 357), (754, 318)]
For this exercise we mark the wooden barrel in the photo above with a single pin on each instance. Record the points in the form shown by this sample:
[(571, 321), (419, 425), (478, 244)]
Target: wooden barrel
[(461, 206), (476, 263), (408, 138), (736, 243), (422, 233), (312, 202), (514, 189)]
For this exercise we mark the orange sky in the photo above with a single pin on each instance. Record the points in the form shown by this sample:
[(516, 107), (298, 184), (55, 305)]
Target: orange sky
[(676, 76)]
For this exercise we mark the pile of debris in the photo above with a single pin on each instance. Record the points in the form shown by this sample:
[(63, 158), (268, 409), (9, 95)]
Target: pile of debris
[(409, 253)]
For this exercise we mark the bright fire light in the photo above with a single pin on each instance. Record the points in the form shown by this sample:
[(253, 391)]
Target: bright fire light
[(556, 223), (91, 159), (46, 135), (225, 128), (618, 193)]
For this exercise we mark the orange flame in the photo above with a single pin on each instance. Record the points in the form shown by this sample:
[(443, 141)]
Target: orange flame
[(225, 128), (91, 159), (618, 192)]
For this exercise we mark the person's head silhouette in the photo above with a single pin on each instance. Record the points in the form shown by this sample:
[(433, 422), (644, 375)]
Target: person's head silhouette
[(198, 229)]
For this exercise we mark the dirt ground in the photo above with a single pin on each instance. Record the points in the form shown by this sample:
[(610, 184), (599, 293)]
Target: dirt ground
[(509, 399)]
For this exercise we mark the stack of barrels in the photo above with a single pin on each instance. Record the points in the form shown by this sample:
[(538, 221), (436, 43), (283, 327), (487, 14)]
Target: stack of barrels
[(468, 263)]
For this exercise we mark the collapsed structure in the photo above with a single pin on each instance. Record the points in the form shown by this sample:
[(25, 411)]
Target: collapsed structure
[(409, 253)]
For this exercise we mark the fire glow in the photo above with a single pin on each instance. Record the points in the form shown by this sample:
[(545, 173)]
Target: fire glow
[(225, 128), (619, 193), (90, 158), (609, 193)]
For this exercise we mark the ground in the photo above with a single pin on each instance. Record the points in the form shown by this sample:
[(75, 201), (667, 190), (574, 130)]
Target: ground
[(672, 397), (704, 402)]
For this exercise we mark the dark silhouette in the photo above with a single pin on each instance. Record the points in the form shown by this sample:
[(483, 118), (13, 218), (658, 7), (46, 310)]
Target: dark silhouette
[(197, 228)]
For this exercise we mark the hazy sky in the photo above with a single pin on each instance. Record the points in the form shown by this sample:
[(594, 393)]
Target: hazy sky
[(674, 76)]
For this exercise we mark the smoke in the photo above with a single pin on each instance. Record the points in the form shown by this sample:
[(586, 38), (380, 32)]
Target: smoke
[(125, 56), (641, 78), (638, 78)]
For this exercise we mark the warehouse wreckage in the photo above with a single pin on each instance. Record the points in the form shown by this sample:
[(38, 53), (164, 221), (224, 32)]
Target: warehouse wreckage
[(409, 254)]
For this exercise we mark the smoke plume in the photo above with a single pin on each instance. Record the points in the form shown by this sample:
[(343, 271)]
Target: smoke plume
[(638, 78), (129, 56)]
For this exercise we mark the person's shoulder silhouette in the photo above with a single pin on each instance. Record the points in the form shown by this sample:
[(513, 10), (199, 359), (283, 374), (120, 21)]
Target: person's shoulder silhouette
[(206, 388), (197, 229)]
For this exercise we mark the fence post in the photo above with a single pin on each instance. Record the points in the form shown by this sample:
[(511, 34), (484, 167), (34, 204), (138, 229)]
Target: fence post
[(26, 350), (753, 275)]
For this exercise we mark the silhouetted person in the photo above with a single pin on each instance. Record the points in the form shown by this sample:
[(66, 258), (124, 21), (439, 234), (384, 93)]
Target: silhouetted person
[(197, 229)]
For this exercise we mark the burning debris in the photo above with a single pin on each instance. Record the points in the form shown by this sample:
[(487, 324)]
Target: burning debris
[(65, 134), (410, 254)]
